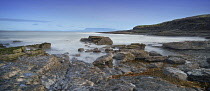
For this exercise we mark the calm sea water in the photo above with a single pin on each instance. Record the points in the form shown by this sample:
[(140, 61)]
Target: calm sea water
[(63, 42)]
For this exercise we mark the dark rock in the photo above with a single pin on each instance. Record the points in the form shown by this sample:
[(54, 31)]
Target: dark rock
[(136, 46), (155, 65), (96, 50), (84, 40), (15, 41), (174, 72), (124, 56), (81, 49), (156, 59), (105, 60), (199, 75), (89, 50), (188, 66), (139, 54), (188, 45), (176, 60), (2, 46), (41, 46), (100, 40), (208, 37), (108, 50), (153, 53), (208, 60)]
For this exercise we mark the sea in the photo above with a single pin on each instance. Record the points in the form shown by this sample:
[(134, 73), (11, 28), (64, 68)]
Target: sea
[(69, 42)]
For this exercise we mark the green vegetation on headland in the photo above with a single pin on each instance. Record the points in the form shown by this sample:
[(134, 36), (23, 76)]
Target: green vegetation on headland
[(189, 26)]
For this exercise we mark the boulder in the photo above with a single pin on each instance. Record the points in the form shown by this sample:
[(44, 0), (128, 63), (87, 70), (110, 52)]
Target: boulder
[(15, 41), (84, 39), (81, 49), (175, 72), (105, 60), (188, 66), (99, 40), (2, 46), (188, 45), (124, 56), (156, 59), (154, 53), (96, 50), (199, 75), (108, 50), (41, 46), (176, 60), (208, 60), (136, 46), (139, 54)]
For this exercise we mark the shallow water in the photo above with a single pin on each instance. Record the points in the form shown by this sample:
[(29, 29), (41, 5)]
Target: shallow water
[(63, 42)]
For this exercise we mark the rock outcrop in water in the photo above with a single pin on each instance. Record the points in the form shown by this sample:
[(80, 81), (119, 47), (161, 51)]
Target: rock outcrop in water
[(123, 68), (99, 40), (188, 45)]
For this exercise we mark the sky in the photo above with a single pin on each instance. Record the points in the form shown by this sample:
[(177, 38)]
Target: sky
[(63, 15)]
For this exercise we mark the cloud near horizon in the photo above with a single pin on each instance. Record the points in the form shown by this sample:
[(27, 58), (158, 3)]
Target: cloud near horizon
[(21, 20)]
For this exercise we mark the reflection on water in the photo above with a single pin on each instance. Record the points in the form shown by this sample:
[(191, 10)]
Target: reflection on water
[(63, 42)]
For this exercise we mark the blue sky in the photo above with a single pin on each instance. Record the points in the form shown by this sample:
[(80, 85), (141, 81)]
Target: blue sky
[(80, 14)]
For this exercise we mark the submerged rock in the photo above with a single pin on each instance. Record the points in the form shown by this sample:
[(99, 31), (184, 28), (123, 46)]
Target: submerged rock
[(15, 41), (174, 72)]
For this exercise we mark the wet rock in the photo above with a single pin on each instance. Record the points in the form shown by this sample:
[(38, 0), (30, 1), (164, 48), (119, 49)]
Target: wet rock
[(12, 53), (2, 46), (105, 60), (15, 41), (139, 54), (96, 50), (41, 46), (124, 56), (176, 60), (136, 46), (199, 75), (99, 40), (84, 40), (89, 50), (155, 65), (175, 72), (81, 49), (208, 60), (153, 53), (188, 66), (188, 45), (108, 50), (156, 59)]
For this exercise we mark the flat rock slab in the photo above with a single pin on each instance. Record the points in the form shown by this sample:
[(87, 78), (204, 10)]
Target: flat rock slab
[(175, 72)]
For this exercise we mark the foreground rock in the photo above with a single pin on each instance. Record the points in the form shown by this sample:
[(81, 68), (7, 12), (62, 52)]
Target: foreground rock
[(200, 75), (99, 40), (103, 61), (188, 45), (12, 53), (33, 73), (174, 72)]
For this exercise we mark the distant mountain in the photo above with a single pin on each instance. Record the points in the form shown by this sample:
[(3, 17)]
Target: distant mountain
[(96, 30)]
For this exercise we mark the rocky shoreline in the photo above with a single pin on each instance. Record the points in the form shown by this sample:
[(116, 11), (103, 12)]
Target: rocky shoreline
[(123, 68)]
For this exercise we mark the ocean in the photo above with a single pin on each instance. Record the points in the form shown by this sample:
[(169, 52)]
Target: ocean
[(63, 42)]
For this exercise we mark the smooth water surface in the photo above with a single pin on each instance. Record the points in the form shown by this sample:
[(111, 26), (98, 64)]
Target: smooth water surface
[(63, 42)]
